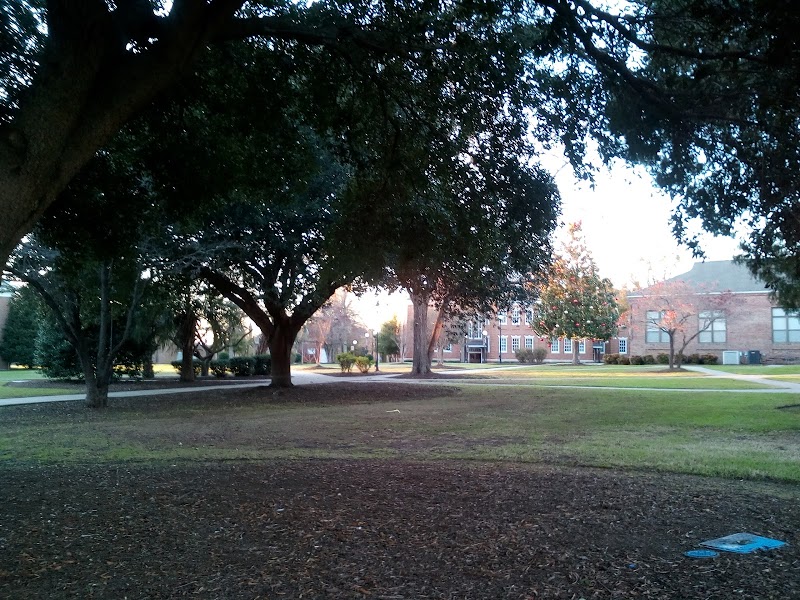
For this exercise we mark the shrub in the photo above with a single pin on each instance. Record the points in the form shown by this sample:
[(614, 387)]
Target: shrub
[(525, 355), (693, 359), (624, 360), (263, 364), (176, 364), (219, 367), (611, 359), (363, 363), (709, 359), (297, 358), (637, 360), (662, 358), (242, 366), (649, 359), (539, 355), (346, 361), (223, 356)]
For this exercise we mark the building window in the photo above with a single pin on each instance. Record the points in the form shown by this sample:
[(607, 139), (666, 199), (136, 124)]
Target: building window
[(529, 342), (528, 316), (515, 343), (515, 316), (554, 346), (713, 328), (785, 326), (503, 344), (582, 347), (655, 335), (501, 317), (448, 348), (567, 346), (623, 345)]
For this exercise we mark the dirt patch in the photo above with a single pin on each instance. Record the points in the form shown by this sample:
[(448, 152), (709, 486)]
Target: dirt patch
[(381, 529)]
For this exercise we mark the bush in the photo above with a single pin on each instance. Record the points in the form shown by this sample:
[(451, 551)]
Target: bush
[(709, 359), (176, 364), (637, 360), (693, 359), (346, 361), (219, 367), (624, 360), (649, 359), (242, 366), (223, 356), (611, 359), (363, 363), (263, 364), (539, 355), (525, 355), (662, 358), (297, 358)]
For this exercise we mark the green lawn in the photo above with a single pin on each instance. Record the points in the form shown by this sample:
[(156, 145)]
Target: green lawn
[(731, 435), (10, 375)]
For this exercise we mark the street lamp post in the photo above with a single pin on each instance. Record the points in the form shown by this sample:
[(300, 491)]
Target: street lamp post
[(355, 343), (485, 353), (500, 341)]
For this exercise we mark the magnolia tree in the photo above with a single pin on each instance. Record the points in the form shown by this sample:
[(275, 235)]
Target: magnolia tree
[(681, 313), (575, 302)]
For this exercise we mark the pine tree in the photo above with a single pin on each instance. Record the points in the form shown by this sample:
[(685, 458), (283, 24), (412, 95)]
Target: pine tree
[(575, 302), (21, 328)]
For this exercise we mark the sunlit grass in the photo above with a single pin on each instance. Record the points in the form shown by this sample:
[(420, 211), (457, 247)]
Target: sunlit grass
[(718, 434)]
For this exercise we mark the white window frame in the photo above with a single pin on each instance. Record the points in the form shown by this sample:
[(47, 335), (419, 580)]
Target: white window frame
[(503, 344), (567, 345), (515, 316), (715, 332), (528, 342), (788, 331), (502, 318), (652, 328), (622, 345), (555, 345), (515, 343), (582, 347), (448, 347)]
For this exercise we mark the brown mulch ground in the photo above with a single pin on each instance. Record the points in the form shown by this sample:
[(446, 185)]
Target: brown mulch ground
[(381, 529)]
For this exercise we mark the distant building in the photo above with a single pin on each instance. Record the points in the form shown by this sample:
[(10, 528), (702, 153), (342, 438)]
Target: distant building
[(499, 338), (751, 326)]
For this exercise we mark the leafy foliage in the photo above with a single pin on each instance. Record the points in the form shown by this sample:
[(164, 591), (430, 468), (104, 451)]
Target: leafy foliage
[(25, 313), (576, 302)]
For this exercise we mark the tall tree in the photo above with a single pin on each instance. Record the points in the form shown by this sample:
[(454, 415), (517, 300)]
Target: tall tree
[(575, 302)]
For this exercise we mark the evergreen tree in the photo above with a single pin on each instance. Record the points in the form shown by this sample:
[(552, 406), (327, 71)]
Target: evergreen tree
[(575, 302), (21, 328)]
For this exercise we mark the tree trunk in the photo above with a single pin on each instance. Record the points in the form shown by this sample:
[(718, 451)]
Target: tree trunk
[(96, 386), (280, 349), (576, 359), (436, 335), (421, 365), (186, 338), (671, 351), (148, 372)]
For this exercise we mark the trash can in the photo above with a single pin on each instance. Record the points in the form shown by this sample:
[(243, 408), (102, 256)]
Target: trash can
[(753, 357)]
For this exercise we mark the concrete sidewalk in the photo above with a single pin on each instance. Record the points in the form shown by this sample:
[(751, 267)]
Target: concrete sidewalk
[(785, 386)]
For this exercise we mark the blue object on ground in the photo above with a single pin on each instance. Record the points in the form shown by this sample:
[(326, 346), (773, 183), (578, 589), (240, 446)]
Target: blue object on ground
[(743, 543), (701, 553)]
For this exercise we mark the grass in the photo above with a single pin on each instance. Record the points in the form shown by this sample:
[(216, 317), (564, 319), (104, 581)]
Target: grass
[(742, 435), (27, 392)]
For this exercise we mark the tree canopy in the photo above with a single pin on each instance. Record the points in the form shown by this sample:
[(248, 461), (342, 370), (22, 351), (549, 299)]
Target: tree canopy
[(701, 90)]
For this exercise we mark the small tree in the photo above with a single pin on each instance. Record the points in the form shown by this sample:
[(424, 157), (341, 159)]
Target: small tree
[(683, 313), (575, 302), (387, 339)]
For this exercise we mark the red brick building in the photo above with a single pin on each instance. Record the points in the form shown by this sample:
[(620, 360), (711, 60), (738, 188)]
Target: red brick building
[(734, 317), (498, 339)]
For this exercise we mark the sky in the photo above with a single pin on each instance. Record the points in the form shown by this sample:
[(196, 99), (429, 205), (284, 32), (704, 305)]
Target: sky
[(626, 225), (625, 221)]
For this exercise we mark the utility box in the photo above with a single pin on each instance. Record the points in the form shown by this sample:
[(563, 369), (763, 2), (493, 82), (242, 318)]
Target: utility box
[(730, 357), (753, 357)]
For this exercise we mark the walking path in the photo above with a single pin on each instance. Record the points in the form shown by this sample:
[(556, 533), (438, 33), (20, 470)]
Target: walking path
[(308, 377)]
